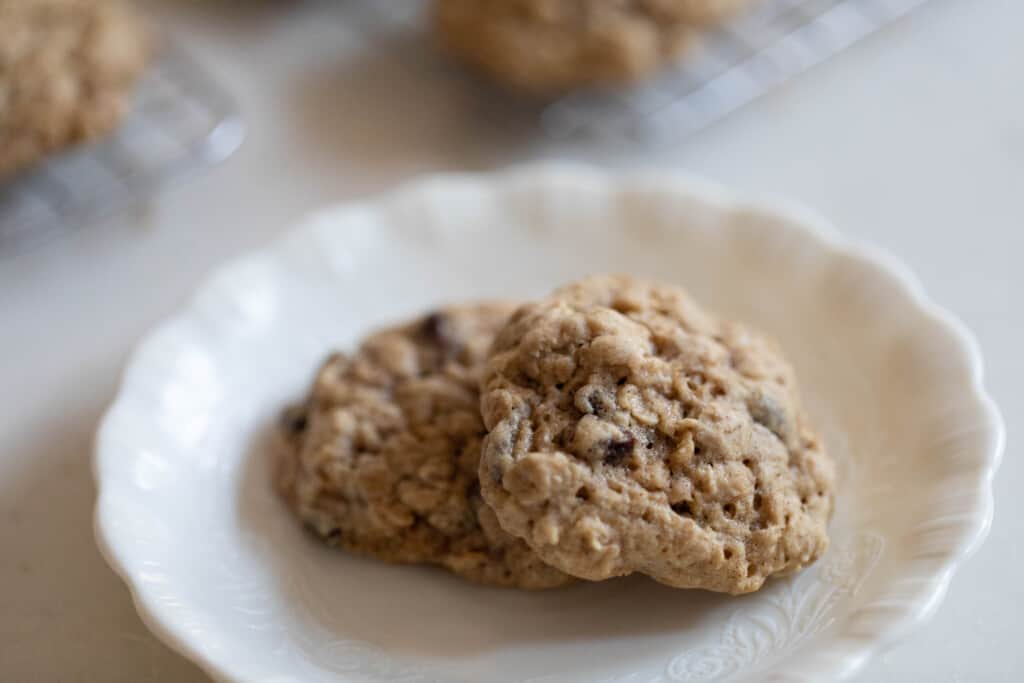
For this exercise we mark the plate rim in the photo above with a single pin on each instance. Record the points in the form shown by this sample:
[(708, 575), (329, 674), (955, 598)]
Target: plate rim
[(846, 654)]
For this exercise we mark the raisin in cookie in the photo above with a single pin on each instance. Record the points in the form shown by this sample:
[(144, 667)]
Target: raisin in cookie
[(630, 431), (382, 458), (67, 68), (551, 45)]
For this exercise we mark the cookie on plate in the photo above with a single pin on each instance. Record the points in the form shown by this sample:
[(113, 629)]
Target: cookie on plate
[(67, 68), (631, 431), (552, 45), (382, 458)]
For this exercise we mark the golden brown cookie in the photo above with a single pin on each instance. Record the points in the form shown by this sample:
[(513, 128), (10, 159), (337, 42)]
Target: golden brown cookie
[(67, 68), (551, 45), (631, 431), (382, 458)]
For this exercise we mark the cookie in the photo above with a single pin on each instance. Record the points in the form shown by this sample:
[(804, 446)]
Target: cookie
[(552, 45), (631, 431), (382, 458), (67, 68)]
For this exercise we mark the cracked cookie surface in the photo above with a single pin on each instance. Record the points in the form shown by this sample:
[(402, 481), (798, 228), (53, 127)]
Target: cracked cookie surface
[(67, 68), (382, 457), (631, 431)]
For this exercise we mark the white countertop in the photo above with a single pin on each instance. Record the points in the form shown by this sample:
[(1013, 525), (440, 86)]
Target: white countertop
[(913, 140)]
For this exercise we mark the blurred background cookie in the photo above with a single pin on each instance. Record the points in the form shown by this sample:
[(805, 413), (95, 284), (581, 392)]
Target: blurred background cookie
[(551, 45), (67, 69), (701, 11)]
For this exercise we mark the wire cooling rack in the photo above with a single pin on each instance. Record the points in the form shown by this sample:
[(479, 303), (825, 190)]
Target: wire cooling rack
[(737, 63), (733, 65), (180, 122)]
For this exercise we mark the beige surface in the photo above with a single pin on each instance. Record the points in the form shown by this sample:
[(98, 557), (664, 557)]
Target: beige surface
[(913, 140), (382, 457), (632, 431)]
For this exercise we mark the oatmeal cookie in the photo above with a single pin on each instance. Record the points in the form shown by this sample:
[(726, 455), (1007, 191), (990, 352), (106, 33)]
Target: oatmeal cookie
[(631, 431), (552, 45), (382, 458), (67, 68)]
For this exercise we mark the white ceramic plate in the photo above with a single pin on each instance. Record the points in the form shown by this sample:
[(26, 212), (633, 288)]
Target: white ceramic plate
[(221, 572)]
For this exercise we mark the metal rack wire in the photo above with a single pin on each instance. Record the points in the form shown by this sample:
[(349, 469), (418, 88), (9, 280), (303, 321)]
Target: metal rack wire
[(181, 121), (733, 65), (739, 62)]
